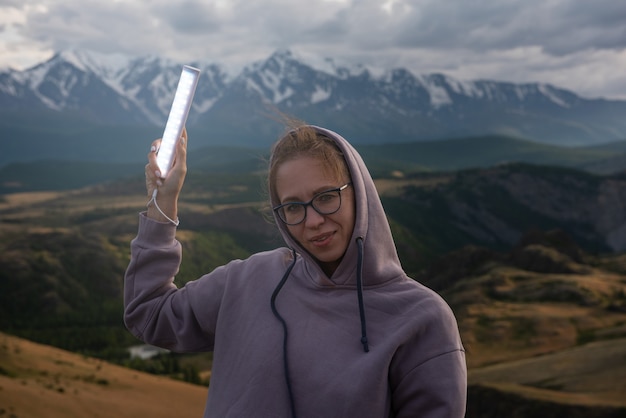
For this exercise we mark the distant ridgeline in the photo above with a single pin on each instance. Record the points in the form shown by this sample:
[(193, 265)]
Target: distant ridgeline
[(63, 254), (88, 108), (44, 171)]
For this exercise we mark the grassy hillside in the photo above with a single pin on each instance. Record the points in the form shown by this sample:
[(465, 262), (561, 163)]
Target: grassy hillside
[(540, 297), (60, 175), (590, 374), (479, 152), (42, 381), (544, 327), (68, 385), (63, 256), (46, 170), (533, 301), (495, 207)]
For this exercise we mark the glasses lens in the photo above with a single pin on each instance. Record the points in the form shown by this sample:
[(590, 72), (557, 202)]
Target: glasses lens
[(327, 203), (292, 213)]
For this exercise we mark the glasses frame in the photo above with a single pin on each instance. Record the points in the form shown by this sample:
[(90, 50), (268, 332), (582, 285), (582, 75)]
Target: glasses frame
[(310, 203)]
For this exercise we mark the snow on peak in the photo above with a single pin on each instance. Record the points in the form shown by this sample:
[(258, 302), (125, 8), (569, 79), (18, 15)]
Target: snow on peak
[(102, 64), (331, 66), (464, 87), (552, 94), (283, 55), (320, 94), (439, 96)]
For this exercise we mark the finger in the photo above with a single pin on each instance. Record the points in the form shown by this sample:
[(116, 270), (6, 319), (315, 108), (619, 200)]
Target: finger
[(152, 174), (180, 161), (182, 145), (184, 135), (150, 183), (154, 148), (152, 158)]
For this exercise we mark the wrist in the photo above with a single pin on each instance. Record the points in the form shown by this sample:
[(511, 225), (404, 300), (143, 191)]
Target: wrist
[(162, 210)]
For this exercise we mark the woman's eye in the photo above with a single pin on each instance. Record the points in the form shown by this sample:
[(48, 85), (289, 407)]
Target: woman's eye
[(291, 208), (325, 198)]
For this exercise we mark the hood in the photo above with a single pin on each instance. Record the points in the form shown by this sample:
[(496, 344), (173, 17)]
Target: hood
[(380, 259)]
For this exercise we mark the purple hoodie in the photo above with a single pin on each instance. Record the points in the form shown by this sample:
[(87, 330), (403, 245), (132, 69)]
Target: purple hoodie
[(290, 341)]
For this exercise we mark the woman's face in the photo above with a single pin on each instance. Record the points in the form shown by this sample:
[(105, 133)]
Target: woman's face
[(326, 237)]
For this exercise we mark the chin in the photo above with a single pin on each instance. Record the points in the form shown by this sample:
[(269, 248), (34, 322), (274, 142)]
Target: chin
[(328, 262)]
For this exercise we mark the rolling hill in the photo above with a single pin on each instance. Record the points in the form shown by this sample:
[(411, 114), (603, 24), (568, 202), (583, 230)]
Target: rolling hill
[(68, 385), (383, 160), (43, 381), (553, 295)]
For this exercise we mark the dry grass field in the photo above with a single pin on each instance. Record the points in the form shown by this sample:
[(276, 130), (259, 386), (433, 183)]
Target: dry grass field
[(551, 337), (592, 374), (508, 314), (558, 337), (41, 381)]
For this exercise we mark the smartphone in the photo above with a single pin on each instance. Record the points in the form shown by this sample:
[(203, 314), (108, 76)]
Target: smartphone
[(177, 118)]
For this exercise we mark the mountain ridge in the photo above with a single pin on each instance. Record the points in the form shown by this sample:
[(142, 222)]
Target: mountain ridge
[(368, 105)]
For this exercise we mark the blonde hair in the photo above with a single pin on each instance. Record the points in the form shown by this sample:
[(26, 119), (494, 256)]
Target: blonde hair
[(303, 140)]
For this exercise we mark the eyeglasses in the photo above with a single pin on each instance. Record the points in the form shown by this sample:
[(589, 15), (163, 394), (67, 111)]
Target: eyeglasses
[(324, 203)]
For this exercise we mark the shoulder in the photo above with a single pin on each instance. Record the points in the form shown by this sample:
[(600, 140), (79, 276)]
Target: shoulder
[(432, 307), (236, 276), (258, 264), (413, 295), (278, 256), (422, 310), (430, 329)]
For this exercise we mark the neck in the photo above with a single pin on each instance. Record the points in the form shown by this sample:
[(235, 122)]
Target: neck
[(329, 268)]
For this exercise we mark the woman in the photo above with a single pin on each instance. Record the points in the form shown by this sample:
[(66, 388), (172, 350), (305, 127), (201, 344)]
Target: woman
[(329, 327)]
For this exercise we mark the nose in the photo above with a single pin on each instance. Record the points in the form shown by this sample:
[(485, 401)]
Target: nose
[(313, 218)]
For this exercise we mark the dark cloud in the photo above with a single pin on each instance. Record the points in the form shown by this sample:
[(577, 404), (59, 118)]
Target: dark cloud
[(582, 43), (332, 30), (189, 17), (559, 27), (12, 3)]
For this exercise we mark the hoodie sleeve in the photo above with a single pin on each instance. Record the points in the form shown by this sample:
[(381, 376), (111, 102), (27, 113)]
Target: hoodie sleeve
[(435, 389), (155, 310), (429, 373)]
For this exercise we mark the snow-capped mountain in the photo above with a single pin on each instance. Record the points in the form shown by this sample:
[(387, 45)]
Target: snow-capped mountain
[(367, 105), (110, 89)]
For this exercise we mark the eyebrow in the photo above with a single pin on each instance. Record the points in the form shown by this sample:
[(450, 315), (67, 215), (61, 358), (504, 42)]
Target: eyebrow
[(292, 199)]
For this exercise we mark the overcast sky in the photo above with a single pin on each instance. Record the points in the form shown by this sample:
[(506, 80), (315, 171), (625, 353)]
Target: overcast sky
[(576, 44)]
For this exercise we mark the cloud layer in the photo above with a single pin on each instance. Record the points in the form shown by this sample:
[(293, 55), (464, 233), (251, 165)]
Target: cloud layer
[(574, 44)]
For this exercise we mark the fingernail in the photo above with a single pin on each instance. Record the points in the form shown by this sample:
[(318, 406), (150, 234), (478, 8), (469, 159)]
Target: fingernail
[(152, 148), (159, 183), (157, 173)]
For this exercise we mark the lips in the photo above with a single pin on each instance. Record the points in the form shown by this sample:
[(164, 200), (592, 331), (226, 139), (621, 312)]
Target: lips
[(322, 239)]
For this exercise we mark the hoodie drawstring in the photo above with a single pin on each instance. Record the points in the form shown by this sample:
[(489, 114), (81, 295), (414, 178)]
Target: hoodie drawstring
[(359, 288), (359, 285), (282, 321)]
